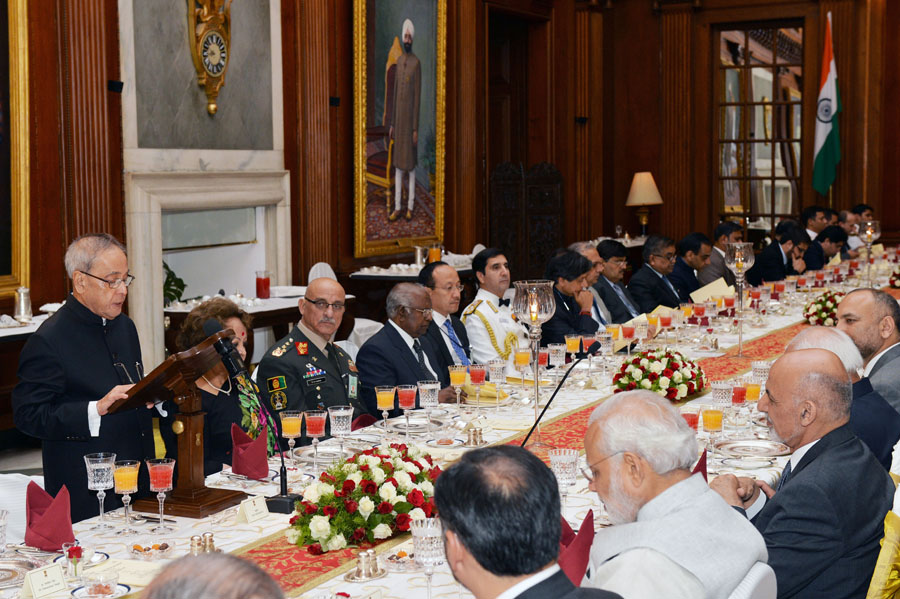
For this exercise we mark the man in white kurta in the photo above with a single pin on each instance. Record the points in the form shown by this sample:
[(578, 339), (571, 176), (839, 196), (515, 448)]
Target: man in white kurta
[(672, 536), (492, 329)]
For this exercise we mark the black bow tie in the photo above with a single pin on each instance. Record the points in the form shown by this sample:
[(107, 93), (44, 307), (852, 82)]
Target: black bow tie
[(504, 302)]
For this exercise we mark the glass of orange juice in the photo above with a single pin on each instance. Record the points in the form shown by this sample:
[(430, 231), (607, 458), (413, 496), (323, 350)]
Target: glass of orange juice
[(712, 420), (753, 390), (613, 329), (521, 359), (384, 396), (457, 379), (125, 477), (291, 421), (573, 344)]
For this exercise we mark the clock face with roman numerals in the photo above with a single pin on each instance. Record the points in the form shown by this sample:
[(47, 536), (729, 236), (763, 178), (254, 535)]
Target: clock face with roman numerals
[(214, 52)]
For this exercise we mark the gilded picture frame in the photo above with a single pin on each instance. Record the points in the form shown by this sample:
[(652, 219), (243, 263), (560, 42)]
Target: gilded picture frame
[(15, 129), (388, 78)]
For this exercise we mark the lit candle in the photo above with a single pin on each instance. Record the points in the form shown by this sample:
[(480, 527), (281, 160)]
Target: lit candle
[(533, 307), (869, 233)]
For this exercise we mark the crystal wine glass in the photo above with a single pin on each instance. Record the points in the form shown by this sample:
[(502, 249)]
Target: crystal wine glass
[(315, 428), (497, 373), (428, 398), (341, 418), (573, 344), (291, 425), (406, 399), (557, 358), (125, 477), (522, 359), (428, 545), (564, 463), (628, 335), (384, 396), (477, 373), (100, 478), (161, 470), (587, 342)]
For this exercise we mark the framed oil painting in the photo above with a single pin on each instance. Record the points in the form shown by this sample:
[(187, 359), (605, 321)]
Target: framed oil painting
[(13, 146), (399, 70)]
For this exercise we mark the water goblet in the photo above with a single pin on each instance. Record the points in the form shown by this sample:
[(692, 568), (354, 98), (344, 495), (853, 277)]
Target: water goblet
[(428, 398), (497, 372), (477, 372), (406, 399), (564, 463), (384, 397), (457, 380), (341, 418), (428, 546), (557, 358), (641, 333), (761, 371), (291, 425), (606, 346), (100, 478), (76, 557), (315, 428), (125, 477), (161, 470)]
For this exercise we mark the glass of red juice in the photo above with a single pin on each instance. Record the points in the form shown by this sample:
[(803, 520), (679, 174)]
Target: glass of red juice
[(263, 284), (692, 419)]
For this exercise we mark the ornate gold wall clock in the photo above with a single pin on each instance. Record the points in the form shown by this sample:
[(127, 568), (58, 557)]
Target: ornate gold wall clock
[(209, 23)]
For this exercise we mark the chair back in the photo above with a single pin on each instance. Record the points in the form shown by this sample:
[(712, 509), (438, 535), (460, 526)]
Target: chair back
[(321, 270), (759, 583)]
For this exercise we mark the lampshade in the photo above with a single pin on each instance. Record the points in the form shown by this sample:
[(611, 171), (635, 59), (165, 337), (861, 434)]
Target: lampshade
[(643, 191)]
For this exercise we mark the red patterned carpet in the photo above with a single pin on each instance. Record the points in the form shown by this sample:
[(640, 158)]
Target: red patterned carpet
[(379, 228)]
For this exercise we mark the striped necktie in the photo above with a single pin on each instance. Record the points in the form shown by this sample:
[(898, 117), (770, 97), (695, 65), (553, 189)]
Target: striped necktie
[(456, 343)]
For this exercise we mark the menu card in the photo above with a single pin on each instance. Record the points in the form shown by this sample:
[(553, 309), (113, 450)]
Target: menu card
[(717, 287), (131, 571)]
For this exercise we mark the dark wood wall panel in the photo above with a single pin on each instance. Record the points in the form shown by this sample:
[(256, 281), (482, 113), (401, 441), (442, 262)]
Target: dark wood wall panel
[(889, 191)]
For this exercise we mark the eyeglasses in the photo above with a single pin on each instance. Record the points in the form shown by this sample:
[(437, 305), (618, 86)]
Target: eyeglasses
[(669, 257), (113, 284), (588, 472), (424, 311), (322, 305), (448, 288)]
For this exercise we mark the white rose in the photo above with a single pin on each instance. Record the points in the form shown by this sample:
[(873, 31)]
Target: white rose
[(829, 322), (372, 461), (403, 481), (686, 373), (366, 507), (319, 528), (663, 382), (378, 475), (677, 377), (336, 542), (645, 362), (311, 493), (356, 477), (349, 468), (292, 534), (637, 374), (398, 463), (411, 468), (397, 499), (427, 488), (382, 531), (646, 384), (682, 391), (387, 491), (656, 367), (661, 392), (384, 449), (829, 305), (417, 514), (326, 490), (812, 320), (415, 452)]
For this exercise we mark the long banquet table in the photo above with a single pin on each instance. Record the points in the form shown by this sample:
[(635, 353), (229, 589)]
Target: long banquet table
[(303, 575)]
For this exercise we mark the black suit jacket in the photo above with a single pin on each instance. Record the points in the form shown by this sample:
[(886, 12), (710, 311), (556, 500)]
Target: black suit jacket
[(385, 359), (559, 586), (684, 279), (885, 376), (874, 421), (824, 526), (436, 337), (814, 256), (567, 320), (617, 309), (650, 290), (769, 266)]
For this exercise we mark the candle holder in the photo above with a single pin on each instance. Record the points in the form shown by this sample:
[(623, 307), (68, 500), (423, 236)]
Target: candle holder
[(739, 257), (533, 304), (870, 231)]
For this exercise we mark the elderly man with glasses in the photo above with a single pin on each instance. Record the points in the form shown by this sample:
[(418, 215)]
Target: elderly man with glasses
[(400, 353), (672, 536), (305, 370), (75, 366), (651, 286)]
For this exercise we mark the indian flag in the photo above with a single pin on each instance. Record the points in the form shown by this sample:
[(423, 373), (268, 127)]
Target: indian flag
[(828, 142)]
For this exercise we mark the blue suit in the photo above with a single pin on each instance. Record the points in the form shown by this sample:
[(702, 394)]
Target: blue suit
[(684, 279), (566, 320)]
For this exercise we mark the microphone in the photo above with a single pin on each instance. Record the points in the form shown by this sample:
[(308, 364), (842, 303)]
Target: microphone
[(284, 502), (593, 351)]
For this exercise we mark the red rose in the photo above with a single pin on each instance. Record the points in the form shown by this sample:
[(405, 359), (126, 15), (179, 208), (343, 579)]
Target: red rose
[(675, 365), (348, 486), (393, 481), (690, 387), (314, 549), (671, 393), (631, 386), (385, 507), (368, 487), (636, 361), (652, 376), (327, 478), (403, 521), (387, 465), (75, 552), (368, 452), (358, 535), (428, 508), (310, 508), (617, 390), (293, 520), (416, 497), (434, 473), (416, 464), (351, 506), (667, 373), (364, 468), (428, 459), (338, 493), (329, 510)]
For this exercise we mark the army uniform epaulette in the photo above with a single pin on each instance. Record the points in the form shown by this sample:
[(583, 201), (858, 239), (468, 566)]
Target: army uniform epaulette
[(281, 349)]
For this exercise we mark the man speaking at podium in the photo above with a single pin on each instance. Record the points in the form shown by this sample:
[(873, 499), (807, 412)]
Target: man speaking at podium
[(71, 370)]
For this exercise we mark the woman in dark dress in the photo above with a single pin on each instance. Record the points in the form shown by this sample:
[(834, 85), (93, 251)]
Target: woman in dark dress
[(220, 396)]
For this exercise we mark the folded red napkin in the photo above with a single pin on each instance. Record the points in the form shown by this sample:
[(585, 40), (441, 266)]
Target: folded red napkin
[(48, 519), (701, 466), (362, 422), (249, 456), (575, 549)]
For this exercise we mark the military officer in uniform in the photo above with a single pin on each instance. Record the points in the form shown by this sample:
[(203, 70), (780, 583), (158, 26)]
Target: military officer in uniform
[(492, 328), (305, 370)]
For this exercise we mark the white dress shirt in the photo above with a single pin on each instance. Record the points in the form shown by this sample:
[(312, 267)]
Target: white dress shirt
[(409, 342), (867, 369), (522, 586), (812, 234), (439, 320)]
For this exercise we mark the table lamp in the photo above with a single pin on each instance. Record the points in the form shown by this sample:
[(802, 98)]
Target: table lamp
[(643, 193)]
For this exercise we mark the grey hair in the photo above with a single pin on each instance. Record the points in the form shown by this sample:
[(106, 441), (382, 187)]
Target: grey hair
[(834, 340), (643, 423), (84, 250), (201, 577), (826, 391), (582, 246), (401, 296)]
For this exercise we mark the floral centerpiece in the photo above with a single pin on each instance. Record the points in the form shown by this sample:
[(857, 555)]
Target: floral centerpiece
[(823, 309), (368, 497), (895, 277), (665, 372)]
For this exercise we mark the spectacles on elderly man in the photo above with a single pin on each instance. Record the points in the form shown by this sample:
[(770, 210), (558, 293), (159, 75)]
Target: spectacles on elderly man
[(426, 312), (322, 305), (588, 472), (112, 283)]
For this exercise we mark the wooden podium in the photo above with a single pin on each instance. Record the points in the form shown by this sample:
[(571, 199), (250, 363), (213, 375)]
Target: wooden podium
[(174, 380)]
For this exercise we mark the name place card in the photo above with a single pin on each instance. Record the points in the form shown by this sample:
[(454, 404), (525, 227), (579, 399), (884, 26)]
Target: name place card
[(44, 581), (252, 509)]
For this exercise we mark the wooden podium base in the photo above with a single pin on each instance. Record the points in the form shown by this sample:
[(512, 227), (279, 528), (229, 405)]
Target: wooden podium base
[(196, 504)]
